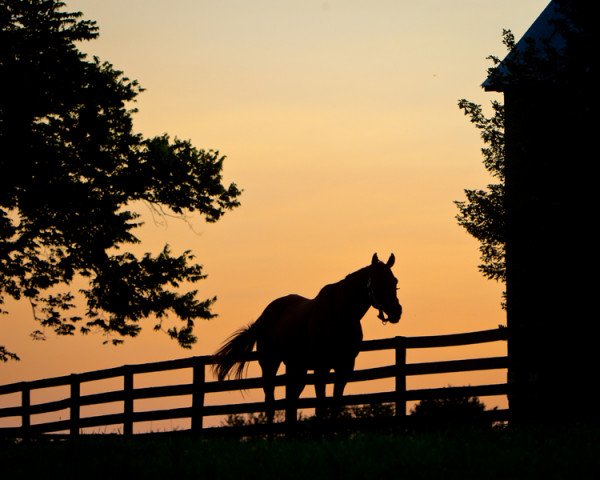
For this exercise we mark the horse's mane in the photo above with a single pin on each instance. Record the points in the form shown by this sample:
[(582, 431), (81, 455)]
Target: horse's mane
[(350, 278), (354, 275)]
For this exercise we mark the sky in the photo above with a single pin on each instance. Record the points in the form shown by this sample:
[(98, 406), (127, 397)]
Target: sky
[(339, 121)]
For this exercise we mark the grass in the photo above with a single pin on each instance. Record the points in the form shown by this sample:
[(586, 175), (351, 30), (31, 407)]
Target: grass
[(565, 453)]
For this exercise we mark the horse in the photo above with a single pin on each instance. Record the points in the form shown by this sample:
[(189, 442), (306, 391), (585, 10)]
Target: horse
[(319, 334)]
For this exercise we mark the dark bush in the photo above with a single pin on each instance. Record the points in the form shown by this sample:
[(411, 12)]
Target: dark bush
[(450, 412)]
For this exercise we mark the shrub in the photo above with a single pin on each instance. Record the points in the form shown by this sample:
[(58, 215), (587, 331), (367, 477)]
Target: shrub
[(450, 412)]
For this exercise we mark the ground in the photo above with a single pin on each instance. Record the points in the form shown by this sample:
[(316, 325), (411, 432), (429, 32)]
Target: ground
[(548, 453)]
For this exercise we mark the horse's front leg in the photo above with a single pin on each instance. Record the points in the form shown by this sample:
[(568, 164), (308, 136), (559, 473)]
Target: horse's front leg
[(320, 389), (342, 375)]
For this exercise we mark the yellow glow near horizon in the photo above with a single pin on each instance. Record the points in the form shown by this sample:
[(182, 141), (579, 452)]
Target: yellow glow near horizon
[(339, 121)]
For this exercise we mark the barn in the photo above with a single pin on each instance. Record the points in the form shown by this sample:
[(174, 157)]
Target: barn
[(551, 132)]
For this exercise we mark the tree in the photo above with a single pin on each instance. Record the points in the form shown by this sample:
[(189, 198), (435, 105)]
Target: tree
[(483, 214), (72, 168)]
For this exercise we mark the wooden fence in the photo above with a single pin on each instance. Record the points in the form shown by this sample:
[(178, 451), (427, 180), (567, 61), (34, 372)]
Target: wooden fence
[(199, 387)]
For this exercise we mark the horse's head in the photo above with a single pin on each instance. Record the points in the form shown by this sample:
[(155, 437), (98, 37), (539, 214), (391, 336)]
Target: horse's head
[(382, 287)]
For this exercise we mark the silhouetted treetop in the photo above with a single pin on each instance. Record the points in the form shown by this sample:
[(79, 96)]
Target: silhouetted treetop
[(556, 50), (71, 167), (482, 214)]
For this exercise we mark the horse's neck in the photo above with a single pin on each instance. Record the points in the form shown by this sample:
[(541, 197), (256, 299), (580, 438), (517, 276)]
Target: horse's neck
[(354, 287), (358, 279)]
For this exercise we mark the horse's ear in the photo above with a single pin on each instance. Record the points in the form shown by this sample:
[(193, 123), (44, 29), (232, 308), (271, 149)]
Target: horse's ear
[(391, 261), (374, 260)]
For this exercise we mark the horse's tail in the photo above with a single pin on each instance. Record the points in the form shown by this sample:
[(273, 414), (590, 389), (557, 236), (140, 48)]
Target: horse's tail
[(235, 351)]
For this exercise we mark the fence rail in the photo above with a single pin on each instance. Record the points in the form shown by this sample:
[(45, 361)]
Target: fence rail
[(199, 387)]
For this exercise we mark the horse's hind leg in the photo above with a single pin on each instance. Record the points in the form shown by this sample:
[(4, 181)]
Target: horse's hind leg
[(269, 372)]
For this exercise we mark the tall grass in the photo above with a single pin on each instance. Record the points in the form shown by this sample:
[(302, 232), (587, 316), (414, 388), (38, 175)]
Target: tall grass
[(565, 453)]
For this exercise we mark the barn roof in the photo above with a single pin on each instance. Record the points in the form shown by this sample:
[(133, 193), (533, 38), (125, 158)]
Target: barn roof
[(541, 35)]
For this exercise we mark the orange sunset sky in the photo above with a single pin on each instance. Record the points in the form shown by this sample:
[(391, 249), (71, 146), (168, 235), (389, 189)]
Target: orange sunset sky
[(339, 121)]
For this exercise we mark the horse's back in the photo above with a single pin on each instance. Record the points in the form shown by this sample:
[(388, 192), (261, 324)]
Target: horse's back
[(307, 331), (283, 306), (284, 322)]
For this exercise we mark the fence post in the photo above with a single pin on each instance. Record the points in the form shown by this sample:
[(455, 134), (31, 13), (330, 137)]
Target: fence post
[(198, 394), (25, 406), (74, 405), (400, 406), (128, 401)]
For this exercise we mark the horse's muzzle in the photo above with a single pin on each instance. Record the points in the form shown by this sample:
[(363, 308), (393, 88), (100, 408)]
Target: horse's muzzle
[(393, 315)]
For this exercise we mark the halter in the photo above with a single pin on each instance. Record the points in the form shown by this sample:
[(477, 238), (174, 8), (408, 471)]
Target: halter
[(374, 302)]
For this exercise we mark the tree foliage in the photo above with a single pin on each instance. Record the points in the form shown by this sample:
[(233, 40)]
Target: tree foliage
[(72, 166), (565, 58), (482, 214)]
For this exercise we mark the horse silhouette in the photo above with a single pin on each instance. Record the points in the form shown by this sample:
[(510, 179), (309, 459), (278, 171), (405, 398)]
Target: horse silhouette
[(319, 334)]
